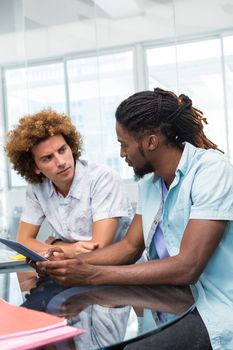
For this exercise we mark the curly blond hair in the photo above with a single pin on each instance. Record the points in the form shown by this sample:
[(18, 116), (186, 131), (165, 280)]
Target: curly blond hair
[(31, 130)]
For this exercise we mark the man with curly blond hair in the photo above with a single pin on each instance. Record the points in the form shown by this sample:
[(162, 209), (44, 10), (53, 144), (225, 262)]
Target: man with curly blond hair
[(84, 203)]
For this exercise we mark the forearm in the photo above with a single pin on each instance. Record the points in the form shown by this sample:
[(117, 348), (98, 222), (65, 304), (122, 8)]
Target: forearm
[(171, 271), (184, 268), (120, 253), (34, 244), (124, 252), (98, 267), (74, 272), (27, 235)]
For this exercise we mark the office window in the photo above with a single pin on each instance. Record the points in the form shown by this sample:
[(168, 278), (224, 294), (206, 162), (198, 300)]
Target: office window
[(96, 86), (28, 90), (197, 73)]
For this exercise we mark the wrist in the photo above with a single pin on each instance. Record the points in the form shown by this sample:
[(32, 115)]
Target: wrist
[(55, 241)]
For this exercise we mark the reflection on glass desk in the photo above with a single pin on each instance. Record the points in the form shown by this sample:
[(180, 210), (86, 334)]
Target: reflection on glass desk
[(10, 289), (111, 315)]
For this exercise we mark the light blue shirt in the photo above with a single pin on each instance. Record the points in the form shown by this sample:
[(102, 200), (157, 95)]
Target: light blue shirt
[(202, 189), (96, 193)]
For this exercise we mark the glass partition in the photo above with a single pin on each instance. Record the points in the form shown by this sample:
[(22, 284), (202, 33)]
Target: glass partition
[(96, 87), (31, 89), (83, 57), (198, 74)]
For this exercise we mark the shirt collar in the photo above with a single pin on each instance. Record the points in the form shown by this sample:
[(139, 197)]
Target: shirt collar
[(186, 158), (79, 177), (51, 188), (185, 161)]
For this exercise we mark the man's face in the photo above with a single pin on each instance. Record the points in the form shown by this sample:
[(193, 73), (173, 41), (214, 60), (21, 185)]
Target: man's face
[(132, 151), (54, 159)]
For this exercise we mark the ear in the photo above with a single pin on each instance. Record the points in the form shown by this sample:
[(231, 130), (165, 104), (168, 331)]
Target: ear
[(36, 170), (152, 142)]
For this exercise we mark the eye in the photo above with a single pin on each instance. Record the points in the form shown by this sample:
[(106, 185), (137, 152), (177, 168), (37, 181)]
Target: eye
[(62, 149), (124, 146), (46, 158)]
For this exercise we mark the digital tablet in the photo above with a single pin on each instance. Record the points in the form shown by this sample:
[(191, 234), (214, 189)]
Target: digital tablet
[(20, 248), (8, 258)]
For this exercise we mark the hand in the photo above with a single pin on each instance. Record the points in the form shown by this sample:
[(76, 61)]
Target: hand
[(50, 240), (84, 247), (68, 271), (33, 263), (53, 253), (77, 247)]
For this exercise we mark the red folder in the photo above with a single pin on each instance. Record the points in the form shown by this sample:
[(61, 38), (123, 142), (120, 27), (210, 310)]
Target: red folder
[(22, 328)]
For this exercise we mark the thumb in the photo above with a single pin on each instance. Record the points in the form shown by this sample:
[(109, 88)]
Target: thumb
[(90, 245)]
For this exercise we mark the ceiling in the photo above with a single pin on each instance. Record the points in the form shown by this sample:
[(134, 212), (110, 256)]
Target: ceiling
[(46, 28), (35, 14)]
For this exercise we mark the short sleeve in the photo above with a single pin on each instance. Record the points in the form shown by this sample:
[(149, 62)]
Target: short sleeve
[(212, 191), (108, 198), (32, 211)]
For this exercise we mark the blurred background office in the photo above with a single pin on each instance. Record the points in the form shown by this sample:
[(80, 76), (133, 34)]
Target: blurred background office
[(83, 57)]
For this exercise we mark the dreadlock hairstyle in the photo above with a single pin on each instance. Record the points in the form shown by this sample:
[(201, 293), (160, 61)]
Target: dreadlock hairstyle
[(175, 116)]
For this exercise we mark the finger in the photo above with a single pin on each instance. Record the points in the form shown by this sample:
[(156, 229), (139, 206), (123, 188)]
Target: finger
[(49, 253), (63, 256), (40, 273), (43, 253), (30, 263), (51, 264), (55, 249), (85, 250), (49, 239), (89, 245), (57, 273)]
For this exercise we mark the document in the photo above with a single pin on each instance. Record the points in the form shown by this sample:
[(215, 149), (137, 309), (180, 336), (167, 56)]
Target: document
[(8, 258), (23, 328), (36, 340)]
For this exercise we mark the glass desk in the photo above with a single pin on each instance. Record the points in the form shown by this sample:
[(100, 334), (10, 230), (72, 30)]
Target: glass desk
[(111, 315)]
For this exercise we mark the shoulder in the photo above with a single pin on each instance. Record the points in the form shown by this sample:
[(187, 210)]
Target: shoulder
[(40, 188), (211, 155), (212, 175), (212, 159)]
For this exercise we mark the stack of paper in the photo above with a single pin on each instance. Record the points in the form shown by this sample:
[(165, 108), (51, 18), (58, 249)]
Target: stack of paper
[(10, 258), (22, 328)]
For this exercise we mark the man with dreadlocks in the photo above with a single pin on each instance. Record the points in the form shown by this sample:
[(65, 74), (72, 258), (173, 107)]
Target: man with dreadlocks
[(183, 221)]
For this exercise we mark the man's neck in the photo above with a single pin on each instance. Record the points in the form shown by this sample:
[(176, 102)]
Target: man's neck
[(167, 164), (62, 189)]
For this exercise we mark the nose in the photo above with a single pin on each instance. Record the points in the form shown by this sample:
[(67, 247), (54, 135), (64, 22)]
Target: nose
[(122, 153), (60, 162)]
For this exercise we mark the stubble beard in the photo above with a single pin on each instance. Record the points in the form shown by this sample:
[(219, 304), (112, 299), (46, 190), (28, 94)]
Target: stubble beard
[(139, 173)]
